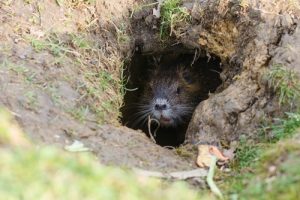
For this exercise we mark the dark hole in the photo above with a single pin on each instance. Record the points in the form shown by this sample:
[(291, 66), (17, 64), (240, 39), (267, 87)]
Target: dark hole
[(167, 87)]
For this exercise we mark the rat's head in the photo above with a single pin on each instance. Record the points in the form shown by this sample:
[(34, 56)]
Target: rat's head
[(170, 96)]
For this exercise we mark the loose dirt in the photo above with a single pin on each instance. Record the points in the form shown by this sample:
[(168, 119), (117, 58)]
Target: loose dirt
[(61, 70), (60, 67)]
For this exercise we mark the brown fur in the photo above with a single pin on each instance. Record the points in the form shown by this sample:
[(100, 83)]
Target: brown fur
[(179, 86), (179, 89)]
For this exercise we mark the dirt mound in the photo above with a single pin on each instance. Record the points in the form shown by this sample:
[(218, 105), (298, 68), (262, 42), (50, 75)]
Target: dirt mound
[(125, 147), (250, 39), (61, 77), (256, 35), (62, 73)]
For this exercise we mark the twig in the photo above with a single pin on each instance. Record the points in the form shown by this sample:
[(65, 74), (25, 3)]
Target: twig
[(149, 128), (196, 56), (141, 7), (181, 175), (15, 114), (214, 188), (131, 90), (169, 147)]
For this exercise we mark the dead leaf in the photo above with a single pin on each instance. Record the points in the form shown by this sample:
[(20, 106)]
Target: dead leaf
[(215, 151), (205, 153), (204, 156)]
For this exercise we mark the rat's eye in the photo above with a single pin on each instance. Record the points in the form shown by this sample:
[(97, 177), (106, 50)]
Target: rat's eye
[(178, 90), (188, 77), (150, 86)]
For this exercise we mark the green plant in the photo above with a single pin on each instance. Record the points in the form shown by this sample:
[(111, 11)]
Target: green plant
[(80, 113), (53, 44), (81, 42), (121, 33), (248, 152), (171, 15), (98, 84), (286, 83), (19, 69), (277, 175), (268, 169), (53, 92), (31, 99), (285, 127)]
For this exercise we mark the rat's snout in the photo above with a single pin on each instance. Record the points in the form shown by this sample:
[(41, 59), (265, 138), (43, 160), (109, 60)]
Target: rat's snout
[(160, 107), (161, 104), (162, 112)]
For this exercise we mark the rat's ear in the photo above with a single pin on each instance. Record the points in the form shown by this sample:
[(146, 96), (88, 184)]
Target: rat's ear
[(153, 65), (186, 73), (188, 77), (154, 61)]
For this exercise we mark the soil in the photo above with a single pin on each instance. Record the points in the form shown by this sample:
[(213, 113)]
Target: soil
[(249, 38), (47, 93), (255, 40), (60, 88)]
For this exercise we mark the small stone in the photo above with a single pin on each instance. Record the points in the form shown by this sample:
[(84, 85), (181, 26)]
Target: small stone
[(272, 170)]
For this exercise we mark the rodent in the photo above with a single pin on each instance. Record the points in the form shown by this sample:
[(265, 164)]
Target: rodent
[(170, 95)]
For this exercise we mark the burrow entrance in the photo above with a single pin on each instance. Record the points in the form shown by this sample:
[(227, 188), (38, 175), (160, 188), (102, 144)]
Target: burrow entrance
[(167, 82)]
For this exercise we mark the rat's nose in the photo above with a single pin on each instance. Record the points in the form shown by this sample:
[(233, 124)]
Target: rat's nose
[(161, 104), (160, 107)]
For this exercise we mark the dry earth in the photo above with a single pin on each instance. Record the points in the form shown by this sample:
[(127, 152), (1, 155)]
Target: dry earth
[(61, 70)]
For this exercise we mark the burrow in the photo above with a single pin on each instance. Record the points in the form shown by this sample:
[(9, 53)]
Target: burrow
[(138, 74), (149, 46), (234, 44)]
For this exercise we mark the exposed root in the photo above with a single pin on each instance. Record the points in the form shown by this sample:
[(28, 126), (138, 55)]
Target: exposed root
[(181, 175), (169, 147), (213, 187), (152, 136)]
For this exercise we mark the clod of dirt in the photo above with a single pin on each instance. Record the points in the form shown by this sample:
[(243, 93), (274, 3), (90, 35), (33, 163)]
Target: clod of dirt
[(125, 147)]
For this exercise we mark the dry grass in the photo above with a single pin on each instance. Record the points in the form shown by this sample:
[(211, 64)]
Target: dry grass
[(100, 69), (95, 51)]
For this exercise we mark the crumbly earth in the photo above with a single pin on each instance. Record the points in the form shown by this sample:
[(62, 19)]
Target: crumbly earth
[(60, 66), (249, 37), (61, 70), (258, 36)]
